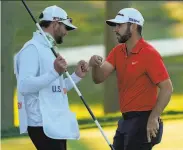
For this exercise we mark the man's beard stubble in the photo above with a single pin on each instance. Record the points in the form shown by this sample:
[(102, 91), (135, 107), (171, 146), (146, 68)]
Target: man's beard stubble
[(59, 39), (124, 38)]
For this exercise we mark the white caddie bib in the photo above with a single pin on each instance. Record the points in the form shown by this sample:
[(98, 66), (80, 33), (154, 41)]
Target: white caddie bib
[(58, 121)]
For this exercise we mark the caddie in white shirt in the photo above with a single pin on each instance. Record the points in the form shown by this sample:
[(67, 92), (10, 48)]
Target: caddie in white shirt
[(42, 90)]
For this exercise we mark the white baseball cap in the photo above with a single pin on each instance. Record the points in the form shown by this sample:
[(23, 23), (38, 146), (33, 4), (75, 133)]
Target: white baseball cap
[(127, 15), (55, 13)]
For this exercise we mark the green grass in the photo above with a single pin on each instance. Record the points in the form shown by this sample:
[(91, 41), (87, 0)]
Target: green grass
[(172, 112), (92, 139)]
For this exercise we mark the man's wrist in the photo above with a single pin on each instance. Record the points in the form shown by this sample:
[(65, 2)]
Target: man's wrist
[(154, 115), (75, 77), (76, 74)]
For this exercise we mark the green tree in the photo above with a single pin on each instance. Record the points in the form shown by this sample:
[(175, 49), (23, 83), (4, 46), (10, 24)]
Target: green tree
[(111, 103), (7, 76)]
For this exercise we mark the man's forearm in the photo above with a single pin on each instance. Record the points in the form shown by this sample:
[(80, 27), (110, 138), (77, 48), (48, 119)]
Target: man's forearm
[(163, 100), (31, 84), (97, 74)]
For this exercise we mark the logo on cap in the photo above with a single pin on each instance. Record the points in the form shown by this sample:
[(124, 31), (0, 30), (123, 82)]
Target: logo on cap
[(120, 14), (133, 20)]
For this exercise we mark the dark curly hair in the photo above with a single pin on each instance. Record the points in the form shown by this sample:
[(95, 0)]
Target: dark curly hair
[(44, 23)]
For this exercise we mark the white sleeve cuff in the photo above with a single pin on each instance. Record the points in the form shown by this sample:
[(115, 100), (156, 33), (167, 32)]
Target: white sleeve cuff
[(75, 78)]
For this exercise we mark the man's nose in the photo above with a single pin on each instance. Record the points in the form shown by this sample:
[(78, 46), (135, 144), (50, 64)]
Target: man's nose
[(115, 29)]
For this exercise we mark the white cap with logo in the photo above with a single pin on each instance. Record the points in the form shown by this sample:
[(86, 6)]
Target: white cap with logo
[(127, 15), (55, 13)]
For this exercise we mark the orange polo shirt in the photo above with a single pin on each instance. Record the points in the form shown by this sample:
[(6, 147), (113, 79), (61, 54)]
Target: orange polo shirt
[(137, 75)]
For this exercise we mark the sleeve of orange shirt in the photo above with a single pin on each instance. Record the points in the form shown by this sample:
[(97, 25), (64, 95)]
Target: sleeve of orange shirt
[(111, 58), (155, 68)]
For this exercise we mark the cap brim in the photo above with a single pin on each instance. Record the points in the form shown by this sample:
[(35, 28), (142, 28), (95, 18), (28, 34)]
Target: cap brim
[(113, 22), (69, 25)]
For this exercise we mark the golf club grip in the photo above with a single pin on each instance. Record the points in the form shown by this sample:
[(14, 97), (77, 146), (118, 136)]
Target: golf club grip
[(29, 11)]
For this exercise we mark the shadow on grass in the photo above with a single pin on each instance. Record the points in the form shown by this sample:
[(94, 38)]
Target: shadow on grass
[(89, 123), (116, 118), (173, 113)]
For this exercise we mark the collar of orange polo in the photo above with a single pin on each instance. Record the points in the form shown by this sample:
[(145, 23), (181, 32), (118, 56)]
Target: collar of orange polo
[(136, 49)]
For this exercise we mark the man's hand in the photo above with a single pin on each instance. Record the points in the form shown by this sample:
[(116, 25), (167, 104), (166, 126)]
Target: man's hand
[(95, 60), (152, 128), (164, 95), (82, 69), (60, 64)]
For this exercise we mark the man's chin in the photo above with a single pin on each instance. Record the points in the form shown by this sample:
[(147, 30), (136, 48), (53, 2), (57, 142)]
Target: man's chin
[(120, 41), (60, 41)]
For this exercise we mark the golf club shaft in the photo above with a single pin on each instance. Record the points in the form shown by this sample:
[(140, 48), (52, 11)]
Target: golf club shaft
[(71, 80), (91, 113)]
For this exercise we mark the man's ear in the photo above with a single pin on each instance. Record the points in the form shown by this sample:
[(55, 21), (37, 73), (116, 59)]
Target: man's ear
[(133, 27), (53, 24)]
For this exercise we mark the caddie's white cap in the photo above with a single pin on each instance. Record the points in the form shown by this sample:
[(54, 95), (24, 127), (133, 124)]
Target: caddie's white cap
[(127, 15), (55, 13)]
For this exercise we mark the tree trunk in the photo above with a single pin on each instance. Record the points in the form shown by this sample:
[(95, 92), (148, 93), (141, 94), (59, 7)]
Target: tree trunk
[(7, 75), (111, 103)]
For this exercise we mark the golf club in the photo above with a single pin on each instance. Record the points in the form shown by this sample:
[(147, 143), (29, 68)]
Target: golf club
[(68, 75)]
